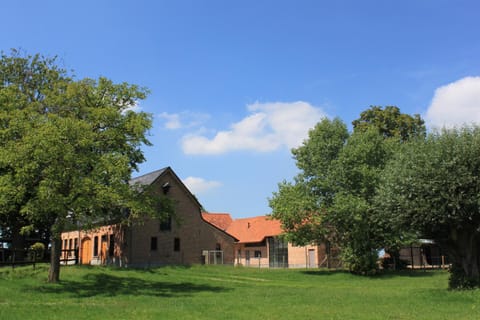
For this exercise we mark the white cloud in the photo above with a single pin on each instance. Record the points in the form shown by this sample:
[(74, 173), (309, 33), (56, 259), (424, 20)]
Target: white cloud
[(172, 120), (199, 185), (183, 119), (269, 127), (135, 107), (455, 104)]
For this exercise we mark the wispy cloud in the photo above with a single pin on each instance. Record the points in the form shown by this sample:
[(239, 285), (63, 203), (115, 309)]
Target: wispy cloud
[(199, 186), (455, 104), (268, 127), (185, 119)]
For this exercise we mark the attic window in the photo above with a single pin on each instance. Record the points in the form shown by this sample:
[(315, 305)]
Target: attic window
[(166, 187)]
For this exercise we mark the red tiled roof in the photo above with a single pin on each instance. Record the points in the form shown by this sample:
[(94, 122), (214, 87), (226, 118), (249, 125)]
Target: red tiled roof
[(246, 230), (219, 220), (254, 229)]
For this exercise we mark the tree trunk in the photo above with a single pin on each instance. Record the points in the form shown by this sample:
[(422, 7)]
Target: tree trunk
[(54, 271), (470, 257), (464, 252)]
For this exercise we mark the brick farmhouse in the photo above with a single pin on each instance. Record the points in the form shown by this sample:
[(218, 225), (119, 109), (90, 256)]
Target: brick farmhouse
[(191, 237)]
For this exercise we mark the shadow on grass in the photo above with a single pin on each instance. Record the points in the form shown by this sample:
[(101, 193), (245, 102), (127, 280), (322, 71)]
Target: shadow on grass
[(151, 270), (382, 274), (409, 273), (107, 285), (324, 272)]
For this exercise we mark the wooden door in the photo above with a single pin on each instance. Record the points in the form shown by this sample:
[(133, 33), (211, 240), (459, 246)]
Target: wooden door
[(86, 251)]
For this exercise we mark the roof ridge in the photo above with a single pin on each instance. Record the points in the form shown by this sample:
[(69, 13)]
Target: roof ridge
[(151, 173)]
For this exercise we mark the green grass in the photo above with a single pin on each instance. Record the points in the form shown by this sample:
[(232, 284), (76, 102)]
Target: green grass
[(208, 292)]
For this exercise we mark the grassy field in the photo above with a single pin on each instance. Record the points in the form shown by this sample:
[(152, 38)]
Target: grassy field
[(208, 292)]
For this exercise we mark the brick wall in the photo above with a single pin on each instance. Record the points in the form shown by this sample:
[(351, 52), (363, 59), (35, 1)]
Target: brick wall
[(193, 234)]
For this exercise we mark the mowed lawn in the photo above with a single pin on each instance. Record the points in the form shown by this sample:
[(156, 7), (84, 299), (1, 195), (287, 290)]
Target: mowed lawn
[(220, 292)]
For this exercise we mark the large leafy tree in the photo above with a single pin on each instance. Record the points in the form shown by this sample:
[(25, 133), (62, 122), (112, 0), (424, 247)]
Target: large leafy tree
[(433, 187), (68, 147), (332, 198)]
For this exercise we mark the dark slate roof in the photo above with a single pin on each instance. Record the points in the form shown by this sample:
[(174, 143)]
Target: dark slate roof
[(149, 178)]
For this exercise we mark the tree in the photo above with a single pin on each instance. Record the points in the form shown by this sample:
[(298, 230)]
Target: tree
[(391, 123), (299, 205), (68, 147), (355, 175), (332, 197), (433, 187)]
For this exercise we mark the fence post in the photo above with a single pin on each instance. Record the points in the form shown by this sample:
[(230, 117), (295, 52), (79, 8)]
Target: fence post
[(411, 255), (13, 259)]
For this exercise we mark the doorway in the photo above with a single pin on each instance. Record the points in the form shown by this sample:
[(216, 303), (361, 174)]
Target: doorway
[(86, 250), (311, 258)]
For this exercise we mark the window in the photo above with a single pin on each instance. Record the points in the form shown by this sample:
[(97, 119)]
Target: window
[(111, 246), (95, 246), (76, 243), (70, 247), (166, 224), (278, 254), (153, 244), (176, 244), (258, 254), (166, 187), (65, 244)]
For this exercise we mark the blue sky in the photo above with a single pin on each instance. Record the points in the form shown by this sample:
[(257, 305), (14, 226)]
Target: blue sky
[(236, 84)]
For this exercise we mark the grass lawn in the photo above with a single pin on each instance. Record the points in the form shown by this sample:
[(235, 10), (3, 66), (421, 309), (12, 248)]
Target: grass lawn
[(218, 292)]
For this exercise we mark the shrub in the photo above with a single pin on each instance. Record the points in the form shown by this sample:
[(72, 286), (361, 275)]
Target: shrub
[(37, 251)]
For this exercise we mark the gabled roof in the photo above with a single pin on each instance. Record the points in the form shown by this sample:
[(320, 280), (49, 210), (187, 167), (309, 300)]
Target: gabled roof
[(220, 220), (150, 178), (246, 230)]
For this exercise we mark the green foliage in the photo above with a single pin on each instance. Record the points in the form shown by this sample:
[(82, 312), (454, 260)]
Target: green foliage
[(38, 250), (299, 205), (433, 187), (333, 196), (68, 146), (391, 123), (296, 208)]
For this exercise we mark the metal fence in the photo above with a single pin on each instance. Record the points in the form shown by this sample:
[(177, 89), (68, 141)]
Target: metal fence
[(427, 256), (13, 258)]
